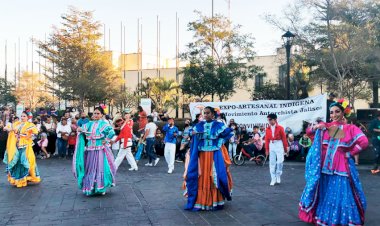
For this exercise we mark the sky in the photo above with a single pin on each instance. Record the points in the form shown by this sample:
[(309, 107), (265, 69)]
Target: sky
[(24, 19)]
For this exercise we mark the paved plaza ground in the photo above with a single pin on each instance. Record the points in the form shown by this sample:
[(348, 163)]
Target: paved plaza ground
[(150, 196)]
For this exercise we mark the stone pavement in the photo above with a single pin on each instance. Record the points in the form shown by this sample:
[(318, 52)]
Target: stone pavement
[(150, 196)]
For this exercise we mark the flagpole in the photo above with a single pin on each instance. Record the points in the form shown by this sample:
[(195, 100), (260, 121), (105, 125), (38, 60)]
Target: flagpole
[(15, 66), (5, 75)]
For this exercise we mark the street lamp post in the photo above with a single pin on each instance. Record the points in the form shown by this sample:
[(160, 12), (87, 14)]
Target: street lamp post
[(288, 39)]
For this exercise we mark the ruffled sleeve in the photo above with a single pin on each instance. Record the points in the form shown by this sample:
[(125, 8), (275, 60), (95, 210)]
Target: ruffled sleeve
[(360, 141), (108, 132)]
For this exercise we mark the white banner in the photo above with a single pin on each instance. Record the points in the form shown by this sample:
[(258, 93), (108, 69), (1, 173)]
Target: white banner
[(146, 104), (290, 113), (19, 109)]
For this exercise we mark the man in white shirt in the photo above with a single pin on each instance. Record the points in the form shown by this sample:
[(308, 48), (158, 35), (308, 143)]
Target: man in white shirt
[(63, 131), (155, 115), (51, 128), (150, 137), (68, 117)]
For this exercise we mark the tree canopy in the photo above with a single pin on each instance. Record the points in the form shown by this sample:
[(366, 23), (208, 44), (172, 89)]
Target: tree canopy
[(80, 68), (338, 40), (218, 58)]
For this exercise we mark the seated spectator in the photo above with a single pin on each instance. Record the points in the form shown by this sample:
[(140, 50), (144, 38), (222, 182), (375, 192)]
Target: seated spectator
[(254, 144), (262, 133), (288, 131), (305, 143), (244, 135), (43, 143), (232, 121), (294, 148)]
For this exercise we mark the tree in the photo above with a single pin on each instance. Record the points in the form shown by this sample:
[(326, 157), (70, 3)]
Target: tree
[(125, 99), (161, 91), (82, 70), (30, 91), (6, 95), (269, 91), (218, 58), (337, 43)]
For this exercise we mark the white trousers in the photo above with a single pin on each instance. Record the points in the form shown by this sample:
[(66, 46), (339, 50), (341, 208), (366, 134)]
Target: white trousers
[(276, 158), (125, 152), (232, 149), (170, 155)]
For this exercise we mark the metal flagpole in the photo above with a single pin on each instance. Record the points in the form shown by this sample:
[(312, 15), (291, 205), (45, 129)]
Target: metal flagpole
[(27, 46), (32, 57), (141, 46), (157, 54), (121, 51), (15, 65), (5, 75), (19, 64), (159, 49), (138, 56), (45, 75), (124, 63), (104, 37)]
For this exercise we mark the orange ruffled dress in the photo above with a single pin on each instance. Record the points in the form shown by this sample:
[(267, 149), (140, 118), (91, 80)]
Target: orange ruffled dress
[(208, 180)]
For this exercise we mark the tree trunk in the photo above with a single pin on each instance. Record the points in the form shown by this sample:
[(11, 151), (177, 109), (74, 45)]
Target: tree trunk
[(81, 103), (375, 93)]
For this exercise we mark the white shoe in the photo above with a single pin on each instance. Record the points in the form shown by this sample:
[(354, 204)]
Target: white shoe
[(148, 164), (170, 171), (273, 182), (131, 169), (278, 180), (156, 161)]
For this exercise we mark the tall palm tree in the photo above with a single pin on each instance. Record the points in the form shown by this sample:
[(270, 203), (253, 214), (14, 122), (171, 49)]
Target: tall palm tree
[(161, 91)]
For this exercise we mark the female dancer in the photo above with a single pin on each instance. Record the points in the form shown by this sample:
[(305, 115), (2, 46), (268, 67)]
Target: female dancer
[(93, 163), (208, 179), (333, 194), (19, 156)]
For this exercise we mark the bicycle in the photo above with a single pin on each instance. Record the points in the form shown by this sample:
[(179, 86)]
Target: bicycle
[(239, 159)]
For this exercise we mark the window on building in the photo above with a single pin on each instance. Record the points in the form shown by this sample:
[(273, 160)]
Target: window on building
[(282, 76), (259, 80)]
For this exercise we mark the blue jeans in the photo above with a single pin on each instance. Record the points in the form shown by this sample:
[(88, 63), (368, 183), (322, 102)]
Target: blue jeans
[(62, 147), (149, 149), (304, 151), (376, 149)]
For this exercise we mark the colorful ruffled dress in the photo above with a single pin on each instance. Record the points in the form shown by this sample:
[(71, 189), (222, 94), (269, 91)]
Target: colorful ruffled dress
[(208, 177), (93, 162), (333, 194), (19, 157)]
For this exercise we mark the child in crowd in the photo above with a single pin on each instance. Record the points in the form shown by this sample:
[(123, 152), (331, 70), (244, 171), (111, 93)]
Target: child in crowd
[(305, 143), (43, 143), (72, 141)]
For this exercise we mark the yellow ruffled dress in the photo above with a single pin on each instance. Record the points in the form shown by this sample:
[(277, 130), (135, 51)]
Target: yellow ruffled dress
[(19, 157)]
